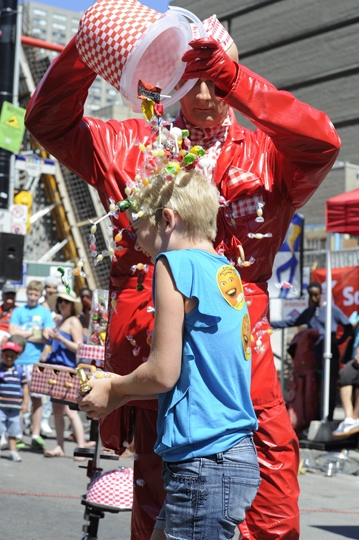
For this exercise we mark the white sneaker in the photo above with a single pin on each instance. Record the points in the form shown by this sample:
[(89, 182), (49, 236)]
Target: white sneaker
[(346, 428), (3, 441), (45, 428), (15, 456)]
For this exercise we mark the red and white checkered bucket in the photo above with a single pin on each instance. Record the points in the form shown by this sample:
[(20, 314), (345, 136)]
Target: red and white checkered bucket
[(113, 488), (108, 32), (124, 41)]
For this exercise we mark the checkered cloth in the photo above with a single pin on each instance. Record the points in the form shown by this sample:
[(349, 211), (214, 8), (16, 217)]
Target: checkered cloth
[(247, 206), (113, 488), (212, 140), (56, 381), (91, 354)]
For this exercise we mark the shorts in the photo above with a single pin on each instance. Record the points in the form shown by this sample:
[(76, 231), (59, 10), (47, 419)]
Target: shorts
[(349, 375), (28, 372), (207, 497), (10, 421)]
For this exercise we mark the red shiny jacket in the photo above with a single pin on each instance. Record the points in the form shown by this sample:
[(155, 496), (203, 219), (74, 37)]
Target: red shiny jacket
[(280, 164)]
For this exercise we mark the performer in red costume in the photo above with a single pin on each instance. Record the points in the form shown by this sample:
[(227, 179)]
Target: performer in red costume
[(264, 176)]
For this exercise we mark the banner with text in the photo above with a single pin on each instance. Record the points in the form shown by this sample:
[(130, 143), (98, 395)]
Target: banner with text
[(345, 287)]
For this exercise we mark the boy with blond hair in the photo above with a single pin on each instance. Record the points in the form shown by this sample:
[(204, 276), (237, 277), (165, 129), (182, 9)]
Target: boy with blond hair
[(33, 322), (199, 365)]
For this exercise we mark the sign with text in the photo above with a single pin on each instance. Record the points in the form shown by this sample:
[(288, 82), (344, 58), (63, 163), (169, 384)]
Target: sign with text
[(12, 127), (345, 287), (34, 165)]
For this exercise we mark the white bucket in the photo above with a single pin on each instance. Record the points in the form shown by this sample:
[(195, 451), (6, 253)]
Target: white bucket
[(124, 41)]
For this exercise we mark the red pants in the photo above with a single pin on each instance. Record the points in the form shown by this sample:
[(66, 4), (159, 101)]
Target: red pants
[(274, 513), (148, 494)]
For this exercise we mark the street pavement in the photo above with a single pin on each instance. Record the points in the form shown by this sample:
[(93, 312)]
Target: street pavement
[(40, 499)]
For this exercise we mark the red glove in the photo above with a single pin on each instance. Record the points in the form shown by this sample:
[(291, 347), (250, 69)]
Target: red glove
[(208, 60)]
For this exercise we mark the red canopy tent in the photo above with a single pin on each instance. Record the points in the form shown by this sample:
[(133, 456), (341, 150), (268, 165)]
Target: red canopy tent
[(342, 213), (341, 216)]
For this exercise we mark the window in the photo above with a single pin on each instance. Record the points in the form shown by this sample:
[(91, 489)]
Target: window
[(75, 21), (59, 26), (95, 89), (112, 92), (58, 35), (59, 17), (40, 12), (41, 22)]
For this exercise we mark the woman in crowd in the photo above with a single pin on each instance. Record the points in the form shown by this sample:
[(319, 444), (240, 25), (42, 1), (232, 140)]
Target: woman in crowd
[(64, 342)]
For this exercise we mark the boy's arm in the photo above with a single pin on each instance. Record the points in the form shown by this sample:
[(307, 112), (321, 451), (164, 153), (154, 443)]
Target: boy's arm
[(162, 370), (15, 329), (25, 402)]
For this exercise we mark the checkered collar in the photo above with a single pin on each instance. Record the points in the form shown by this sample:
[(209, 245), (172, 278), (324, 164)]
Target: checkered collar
[(208, 137)]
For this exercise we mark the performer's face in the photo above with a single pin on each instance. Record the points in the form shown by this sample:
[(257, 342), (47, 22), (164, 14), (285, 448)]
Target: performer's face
[(201, 107)]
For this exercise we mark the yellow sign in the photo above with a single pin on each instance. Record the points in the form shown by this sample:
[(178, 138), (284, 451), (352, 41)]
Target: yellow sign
[(12, 127), (13, 122)]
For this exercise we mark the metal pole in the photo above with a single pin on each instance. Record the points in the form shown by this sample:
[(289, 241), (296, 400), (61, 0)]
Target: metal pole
[(283, 356), (327, 355), (15, 99), (7, 54), (15, 91)]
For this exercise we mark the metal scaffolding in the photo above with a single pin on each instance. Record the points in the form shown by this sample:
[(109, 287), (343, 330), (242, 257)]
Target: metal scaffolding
[(62, 203)]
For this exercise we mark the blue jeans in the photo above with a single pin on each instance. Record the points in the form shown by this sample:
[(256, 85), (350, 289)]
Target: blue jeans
[(10, 421), (206, 498)]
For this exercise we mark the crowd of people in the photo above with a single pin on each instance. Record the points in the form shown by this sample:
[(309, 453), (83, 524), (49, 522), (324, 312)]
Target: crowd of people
[(48, 328)]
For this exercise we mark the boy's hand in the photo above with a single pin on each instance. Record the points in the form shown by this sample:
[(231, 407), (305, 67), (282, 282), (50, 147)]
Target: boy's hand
[(24, 407), (101, 401)]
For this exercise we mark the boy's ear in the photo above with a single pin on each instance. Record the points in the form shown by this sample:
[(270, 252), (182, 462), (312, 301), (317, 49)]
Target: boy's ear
[(169, 217)]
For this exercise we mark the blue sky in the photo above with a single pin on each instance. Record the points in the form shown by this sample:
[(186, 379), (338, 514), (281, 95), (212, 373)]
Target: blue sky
[(82, 5)]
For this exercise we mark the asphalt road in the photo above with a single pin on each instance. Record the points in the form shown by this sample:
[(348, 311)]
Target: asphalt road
[(40, 499)]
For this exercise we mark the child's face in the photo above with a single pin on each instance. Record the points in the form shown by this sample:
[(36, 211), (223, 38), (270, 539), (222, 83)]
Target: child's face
[(148, 238), (33, 297), (8, 357)]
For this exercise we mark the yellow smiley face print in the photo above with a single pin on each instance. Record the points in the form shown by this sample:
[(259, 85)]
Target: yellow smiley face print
[(230, 286), (246, 336)]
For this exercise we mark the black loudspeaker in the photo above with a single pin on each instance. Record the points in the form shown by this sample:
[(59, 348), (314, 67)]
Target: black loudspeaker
[(11, 256)]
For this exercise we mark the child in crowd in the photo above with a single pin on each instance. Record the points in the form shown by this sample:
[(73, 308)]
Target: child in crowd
[(14, 395), (33, 322), (199, 366)]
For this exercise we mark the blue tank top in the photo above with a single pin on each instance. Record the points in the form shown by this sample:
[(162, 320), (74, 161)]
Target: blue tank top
[(209, 410), (60, 354)]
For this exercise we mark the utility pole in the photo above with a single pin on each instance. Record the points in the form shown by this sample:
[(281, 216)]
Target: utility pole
[(8, 15)]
